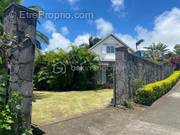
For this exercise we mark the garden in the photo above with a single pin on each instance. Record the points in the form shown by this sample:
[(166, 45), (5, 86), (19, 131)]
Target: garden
[(64, 82)]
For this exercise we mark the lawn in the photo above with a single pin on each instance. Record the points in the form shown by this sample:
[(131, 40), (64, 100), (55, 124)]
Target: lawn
[(50, 107)]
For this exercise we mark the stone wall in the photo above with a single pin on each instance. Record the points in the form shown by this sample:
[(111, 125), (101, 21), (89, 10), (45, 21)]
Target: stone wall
[(21, 23), (130, 68)]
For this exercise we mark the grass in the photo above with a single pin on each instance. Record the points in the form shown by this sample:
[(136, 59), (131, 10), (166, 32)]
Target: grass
[(53, 106)]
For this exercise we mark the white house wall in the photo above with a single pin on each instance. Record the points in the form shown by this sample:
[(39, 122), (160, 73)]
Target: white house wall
[(100, 49)]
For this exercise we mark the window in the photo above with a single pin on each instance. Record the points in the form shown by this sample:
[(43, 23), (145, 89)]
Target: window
[(110, 49)]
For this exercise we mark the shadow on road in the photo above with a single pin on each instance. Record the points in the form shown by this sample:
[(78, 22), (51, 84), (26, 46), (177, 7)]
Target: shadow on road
[(37, 130)]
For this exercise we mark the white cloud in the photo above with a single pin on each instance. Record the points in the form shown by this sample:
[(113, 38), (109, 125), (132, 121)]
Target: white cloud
[(58, 41), (117, 4), (49, 26), (64, 30), (103, 27), (80, 39), (129, 40), (72, 1), (73, 4), (166, 29)]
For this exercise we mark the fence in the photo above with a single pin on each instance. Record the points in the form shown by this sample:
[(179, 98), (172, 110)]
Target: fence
[(130, 68)]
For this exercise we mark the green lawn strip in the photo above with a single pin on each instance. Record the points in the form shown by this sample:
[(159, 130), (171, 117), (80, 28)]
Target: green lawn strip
[(53, 106)]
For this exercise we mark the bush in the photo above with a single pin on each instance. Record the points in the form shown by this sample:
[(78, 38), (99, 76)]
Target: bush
[(151, 92), (71, 77), (11, 118)]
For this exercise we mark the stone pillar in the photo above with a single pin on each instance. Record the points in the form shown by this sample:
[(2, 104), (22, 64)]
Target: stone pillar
[(122, 78), (19, 21)]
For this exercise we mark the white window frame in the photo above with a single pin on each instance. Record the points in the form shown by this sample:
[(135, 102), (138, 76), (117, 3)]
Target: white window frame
[(111, 49)]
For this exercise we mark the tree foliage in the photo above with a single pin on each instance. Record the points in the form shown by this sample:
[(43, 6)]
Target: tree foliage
[(62, 70), (11, 117), (177, 49), (93, 41), (157, 51)]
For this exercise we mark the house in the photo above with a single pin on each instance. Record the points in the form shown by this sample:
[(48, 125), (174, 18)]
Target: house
[(105, 49), (176, 62)]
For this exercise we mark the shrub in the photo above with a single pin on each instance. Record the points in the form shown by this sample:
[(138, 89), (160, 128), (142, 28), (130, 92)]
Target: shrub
[(11, 118), (129, 104), (151, 92), (72, 76)]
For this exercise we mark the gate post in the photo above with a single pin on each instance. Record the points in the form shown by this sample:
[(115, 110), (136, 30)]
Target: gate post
[(121, 88), (19, 21)]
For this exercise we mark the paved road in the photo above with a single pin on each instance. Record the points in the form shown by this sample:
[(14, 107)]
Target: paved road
[(162, 118)]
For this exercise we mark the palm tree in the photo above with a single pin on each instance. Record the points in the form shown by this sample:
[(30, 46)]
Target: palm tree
[(177, 49), (157, 51), (162, 48)]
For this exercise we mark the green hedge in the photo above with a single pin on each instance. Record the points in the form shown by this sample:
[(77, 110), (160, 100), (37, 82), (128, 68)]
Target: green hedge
[(75, 70), (153, 91)]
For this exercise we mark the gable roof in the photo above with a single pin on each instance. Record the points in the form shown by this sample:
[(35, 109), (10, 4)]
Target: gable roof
[(115, 37)]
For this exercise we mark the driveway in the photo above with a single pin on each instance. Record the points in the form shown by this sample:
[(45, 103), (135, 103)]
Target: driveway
[(162, 118)]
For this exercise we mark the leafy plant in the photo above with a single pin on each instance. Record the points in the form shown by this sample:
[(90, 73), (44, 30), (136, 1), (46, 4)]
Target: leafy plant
[(177, 49), (151, 92), (93, 41), (157, 51), (11, 117), (79, 65), (138, 83), (129, 104)]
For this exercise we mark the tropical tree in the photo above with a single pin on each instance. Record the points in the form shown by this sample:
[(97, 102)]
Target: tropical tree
[(84, 45), (60, 70), (93, 41), (177, 49), (157, 51)]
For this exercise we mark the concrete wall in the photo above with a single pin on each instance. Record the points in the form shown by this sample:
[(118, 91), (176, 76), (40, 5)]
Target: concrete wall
[(129, 68)]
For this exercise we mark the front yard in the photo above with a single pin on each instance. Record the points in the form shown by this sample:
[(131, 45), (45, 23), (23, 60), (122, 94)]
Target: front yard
[(51, 107)]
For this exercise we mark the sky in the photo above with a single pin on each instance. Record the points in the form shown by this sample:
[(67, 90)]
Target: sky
[(68, 22)]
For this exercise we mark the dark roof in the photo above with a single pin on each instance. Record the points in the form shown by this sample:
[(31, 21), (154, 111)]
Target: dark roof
[(113, 37)]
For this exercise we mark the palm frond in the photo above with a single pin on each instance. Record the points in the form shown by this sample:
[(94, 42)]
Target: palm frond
[(1, 28), (42, 37), (38, 45), (36, 8)]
